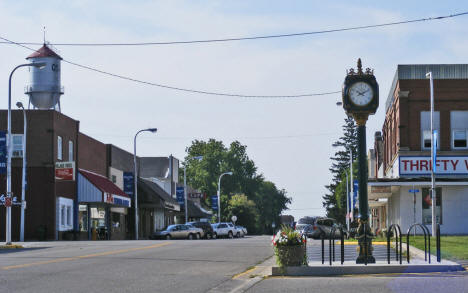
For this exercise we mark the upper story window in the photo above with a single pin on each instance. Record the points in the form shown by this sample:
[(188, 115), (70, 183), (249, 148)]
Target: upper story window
[(59, 147), (426, 129), (17, 142), (70, 151), (459, 128)]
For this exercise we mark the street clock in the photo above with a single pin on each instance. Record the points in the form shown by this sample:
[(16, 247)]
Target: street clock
[(360, 93)]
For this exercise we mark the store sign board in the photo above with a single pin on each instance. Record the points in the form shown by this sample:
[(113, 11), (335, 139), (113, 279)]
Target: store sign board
[(445, 165), (381, 189), (116, 200), (180, 195), (64, 171)]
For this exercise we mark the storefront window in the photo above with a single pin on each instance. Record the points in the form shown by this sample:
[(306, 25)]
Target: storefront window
[(83, 217), (427, 206)]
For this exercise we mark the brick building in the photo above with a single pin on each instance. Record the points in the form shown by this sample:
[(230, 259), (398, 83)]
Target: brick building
[(401, 159)]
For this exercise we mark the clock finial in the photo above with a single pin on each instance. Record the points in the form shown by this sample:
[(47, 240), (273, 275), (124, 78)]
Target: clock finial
[(359, 66)]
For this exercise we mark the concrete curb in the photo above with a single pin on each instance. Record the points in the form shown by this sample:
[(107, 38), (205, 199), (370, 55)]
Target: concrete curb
[(361, 269)]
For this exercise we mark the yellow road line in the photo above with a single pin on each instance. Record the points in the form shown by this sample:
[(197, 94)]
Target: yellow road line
[(355, 243), (243, 273), (84, 256)]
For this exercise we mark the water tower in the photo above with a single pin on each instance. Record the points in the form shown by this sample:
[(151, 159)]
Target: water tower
[(44, 89)]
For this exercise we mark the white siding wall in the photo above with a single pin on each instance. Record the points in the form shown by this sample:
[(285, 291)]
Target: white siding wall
[(118, 175), (454, 209)]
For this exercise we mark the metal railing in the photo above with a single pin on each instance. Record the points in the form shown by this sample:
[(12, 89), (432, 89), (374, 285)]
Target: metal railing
[(427, 242), (397, 231), (331, 245)]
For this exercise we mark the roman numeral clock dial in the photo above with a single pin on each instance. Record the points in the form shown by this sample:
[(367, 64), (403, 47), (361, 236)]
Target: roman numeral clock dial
[(361, 93)]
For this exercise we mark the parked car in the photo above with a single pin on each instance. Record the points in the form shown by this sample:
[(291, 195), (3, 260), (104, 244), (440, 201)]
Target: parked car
[(224, 229), (322, 226), (179, 231), (208, 232), (242, 230)]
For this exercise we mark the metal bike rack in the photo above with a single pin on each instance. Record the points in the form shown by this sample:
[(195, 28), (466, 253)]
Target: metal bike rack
[(427, 242), (397, 230), (438, 242), (331, 245)]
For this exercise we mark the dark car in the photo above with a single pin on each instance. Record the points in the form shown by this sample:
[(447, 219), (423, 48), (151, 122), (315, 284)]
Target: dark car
[(322, 227), (206, 227)]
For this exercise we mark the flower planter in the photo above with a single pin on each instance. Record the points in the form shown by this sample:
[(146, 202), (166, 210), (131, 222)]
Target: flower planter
[(290, 255)]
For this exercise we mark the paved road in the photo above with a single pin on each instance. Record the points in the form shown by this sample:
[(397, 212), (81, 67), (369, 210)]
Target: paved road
[(129, 266)]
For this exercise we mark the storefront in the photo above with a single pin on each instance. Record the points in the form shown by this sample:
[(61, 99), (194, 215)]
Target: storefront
[(103, 208)]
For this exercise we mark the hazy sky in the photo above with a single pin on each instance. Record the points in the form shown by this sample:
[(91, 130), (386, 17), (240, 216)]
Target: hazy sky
[(289, 138)]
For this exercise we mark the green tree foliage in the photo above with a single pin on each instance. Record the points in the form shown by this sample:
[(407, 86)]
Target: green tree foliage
[(217, 159), (335, 200), (244, 209)]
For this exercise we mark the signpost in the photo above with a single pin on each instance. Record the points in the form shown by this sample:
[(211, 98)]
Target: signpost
[(180, 195), (214, 202), (414, 191), (128, 183), (3, 152)]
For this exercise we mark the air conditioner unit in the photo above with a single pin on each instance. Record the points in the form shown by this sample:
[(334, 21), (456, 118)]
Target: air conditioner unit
[(17, 154)]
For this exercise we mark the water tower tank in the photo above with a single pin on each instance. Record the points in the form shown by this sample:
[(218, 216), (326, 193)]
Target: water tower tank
[(44, 89)]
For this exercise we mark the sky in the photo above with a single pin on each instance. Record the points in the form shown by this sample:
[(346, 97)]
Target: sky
[(288, 138)]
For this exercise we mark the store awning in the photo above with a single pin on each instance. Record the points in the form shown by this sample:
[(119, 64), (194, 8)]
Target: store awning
[(94, 187), (154, 195)]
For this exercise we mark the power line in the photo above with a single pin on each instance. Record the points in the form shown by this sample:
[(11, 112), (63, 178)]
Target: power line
[(193, 91), (254, 37)]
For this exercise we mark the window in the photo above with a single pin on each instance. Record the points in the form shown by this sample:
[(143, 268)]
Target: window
[(69, 216), (64, 214), (70, 151), (459, 126), (426, 129), (59, 147), (427, 206), (114, 178), (17, 142)]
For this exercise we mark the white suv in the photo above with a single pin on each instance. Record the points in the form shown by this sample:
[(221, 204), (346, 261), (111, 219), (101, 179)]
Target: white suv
[(224, 229)]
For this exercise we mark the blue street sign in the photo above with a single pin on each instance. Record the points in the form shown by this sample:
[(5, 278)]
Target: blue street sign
[(180, 195), (214, 202), (129, 183), (413, 190), (434, 151), (3, 152), (355, 191)]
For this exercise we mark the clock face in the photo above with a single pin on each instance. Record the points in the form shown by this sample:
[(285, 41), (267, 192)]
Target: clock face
[(361, 93)]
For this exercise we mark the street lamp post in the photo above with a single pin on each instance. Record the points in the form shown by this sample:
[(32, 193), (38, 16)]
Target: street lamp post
[(347, 202), (185, 187), (219, 194), (433, 150), (39, 65), (23, 180), (135, 175)]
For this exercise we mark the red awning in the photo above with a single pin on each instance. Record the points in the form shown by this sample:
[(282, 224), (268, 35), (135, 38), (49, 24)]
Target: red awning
[(102, 183)]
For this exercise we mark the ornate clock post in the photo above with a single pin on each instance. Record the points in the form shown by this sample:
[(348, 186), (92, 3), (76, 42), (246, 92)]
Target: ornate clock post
[(361, 99)]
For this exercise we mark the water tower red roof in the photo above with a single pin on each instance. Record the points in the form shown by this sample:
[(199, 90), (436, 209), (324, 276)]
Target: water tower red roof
[(44, 51)]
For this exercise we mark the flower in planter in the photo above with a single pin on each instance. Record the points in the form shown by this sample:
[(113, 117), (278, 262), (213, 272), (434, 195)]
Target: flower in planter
[(290, 247)]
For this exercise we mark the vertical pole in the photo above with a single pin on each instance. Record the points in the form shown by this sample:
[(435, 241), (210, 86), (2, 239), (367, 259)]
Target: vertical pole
[(352, 183), (363, 204), (433, 194), (185, 193), (23, 181), (135, 175), (347, 202), (219, 199)]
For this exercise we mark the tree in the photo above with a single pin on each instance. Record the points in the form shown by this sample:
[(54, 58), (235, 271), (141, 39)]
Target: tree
[(217, 159), (335, 200), (244, 209)]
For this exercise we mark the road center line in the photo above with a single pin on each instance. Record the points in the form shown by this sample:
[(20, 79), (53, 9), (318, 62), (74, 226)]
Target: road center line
[(63, 259)]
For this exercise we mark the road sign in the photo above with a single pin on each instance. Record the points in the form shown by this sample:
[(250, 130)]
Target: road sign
[(355, 191), (129, 183), (214, 202), (8, 201), (413, 190), (3, 152), (180, 195), (434, 152)]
